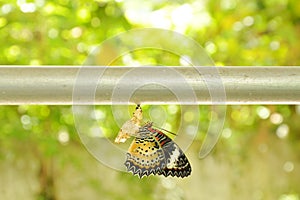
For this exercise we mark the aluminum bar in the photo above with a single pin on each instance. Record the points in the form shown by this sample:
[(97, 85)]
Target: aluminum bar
[(67, 85)]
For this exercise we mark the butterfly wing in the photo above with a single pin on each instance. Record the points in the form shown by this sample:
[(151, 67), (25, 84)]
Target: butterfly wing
[(177, 163), (152, 152), (144, 157)]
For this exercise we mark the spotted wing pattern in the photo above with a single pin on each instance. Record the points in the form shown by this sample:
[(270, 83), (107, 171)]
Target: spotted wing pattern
[(152, 152)]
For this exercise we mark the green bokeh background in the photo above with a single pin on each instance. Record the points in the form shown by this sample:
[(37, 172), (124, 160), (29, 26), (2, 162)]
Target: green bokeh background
[(257, 156)]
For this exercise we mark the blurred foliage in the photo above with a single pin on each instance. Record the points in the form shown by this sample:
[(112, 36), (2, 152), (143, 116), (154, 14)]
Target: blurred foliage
[(43, 139), (234, 32)]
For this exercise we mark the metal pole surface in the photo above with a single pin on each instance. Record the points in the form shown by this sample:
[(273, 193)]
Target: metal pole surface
[(66, 85)]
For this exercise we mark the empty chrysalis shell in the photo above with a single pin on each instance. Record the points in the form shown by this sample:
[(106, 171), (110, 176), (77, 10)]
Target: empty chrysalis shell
[(130, 127)]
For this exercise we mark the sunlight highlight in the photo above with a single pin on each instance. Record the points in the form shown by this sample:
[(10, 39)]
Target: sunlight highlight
[(263, 112), (276, 118), (288, 166), (160, 19), (28, 7), (226, 133), (182, 16), (6, 8), (63, 137), (248, 21), (282, 131)]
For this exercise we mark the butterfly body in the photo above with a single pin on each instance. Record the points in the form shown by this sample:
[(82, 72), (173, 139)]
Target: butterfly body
[(153, 152)]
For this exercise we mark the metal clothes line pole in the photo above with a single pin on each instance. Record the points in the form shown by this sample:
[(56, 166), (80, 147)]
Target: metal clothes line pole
[(65, 85)]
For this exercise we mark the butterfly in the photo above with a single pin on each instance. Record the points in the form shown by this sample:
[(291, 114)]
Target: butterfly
[(153, 152)]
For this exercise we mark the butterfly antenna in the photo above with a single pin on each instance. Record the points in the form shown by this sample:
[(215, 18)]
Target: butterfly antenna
[(165, 130)]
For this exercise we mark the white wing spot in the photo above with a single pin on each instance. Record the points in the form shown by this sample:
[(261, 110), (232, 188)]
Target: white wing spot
[(173, 158)]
